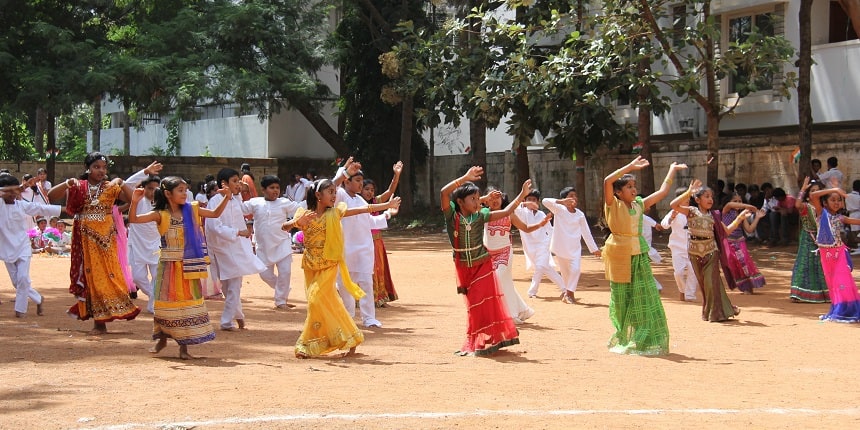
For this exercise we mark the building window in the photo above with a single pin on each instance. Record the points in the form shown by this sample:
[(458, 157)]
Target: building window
[(739, 30), (841, 28)]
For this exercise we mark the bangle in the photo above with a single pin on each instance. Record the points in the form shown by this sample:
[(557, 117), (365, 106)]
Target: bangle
[(668, 181)]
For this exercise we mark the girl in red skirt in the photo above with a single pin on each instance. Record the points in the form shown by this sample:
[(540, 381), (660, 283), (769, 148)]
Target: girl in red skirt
[(490, 327)]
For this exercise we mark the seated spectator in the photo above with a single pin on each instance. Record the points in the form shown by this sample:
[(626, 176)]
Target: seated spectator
[(780, 217)]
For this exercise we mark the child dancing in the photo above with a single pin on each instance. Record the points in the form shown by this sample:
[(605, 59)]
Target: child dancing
[(180, 313), (490, 327), (536, 244), (634, 303), (704, 227), (835, 259), (807, 277), (328, 325), (738, 267)]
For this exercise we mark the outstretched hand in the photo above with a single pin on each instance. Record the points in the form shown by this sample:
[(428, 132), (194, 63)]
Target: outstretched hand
[(394, 203), (153, 169), (474, 173), (639, 163), (695, 186), (527, 188), (397, 168), (677, 166)]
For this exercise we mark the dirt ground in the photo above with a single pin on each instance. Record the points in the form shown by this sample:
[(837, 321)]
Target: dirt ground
[(777, 366)]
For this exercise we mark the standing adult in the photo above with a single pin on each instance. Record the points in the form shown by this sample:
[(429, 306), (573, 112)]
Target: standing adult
[(832, 173), (97, 279)]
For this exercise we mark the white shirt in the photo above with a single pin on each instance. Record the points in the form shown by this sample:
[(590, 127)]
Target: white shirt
[(298, 191), (144, 242), (14, 242), (852, 205), (232, 254), (273, 244), (539, 238), (358, 240), (570, 228), (832, 173), (678, 237), (648, 225), (201, 197)]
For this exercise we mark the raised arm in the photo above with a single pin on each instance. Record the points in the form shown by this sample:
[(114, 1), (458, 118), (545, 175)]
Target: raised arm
[(815, 197), (509, 209), (349, 168), (373, 207), (60, 189), (133, 217), (798, 202), (215, 213), (737, 222), (398, 168), (739, 206), (473, 174), (680, 203), (521, 226), (664, 187), (608, 193)]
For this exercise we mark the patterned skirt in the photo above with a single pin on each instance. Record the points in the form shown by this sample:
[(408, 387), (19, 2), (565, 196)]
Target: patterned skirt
[(637, 313), (514, 303), (844, 299), (807, 277), (716, 305), (739, 268), (180, 312), (383, 286), (489, 327), (328, 327)]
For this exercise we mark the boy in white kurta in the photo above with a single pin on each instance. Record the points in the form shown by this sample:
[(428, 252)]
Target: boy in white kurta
[(230, 251), (569, 230), (144, 244), (648, 226), (15, 214), (536, 244), (358, 242), (274, 245), (685, 277)]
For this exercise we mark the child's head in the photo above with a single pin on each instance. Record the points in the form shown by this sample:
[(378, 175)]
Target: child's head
[(211, 189), (61, 225), (753, 190), (704, 199), (815, 164), (368, 190), (741, 189), (10, 185), (779, 194), (496, 200), (533, 196), (767, 189), (171, 192), (832, 202), (53, 221), (354, 184), (813, 187), (569, 193), (736, 198), (321, 195), (856, 185), (229, 178), (467, 198), (832, 162), (149, 185), (271, 187), (97, 167), (625, 188), (41, 222)]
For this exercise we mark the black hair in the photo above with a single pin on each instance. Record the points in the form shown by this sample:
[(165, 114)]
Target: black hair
[(463, 191), (28, 176), (505, 199), (225, 174), (246, 170), (369, 182), (317, 186), (358, 173), (778, 193), (855, 185), (815, 160), (167, 184), (269, 180), (567, 190), (91, 158), (622, 181), (150, 178), (809, 190), (41, 170), (534, 193), (7, 180), (208, 178), (699, 194), (740, 185), (210, 187), (766, 185), (832, 162)]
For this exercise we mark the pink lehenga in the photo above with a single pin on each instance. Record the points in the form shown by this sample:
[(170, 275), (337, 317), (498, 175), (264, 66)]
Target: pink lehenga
[(837, 265), (738, 267)]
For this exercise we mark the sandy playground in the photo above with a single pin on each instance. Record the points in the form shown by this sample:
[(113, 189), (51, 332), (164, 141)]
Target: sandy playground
[(777, 366)]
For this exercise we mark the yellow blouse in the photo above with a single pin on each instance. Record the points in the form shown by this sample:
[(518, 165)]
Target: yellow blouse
[(626, 239)]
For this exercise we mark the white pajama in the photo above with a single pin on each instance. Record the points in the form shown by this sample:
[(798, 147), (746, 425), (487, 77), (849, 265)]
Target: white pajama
[(540, 258), (366, 307), (570, 271), (536, 248), (232, 289), (19, 273), (685, 277), (143, 276), (280, 282)]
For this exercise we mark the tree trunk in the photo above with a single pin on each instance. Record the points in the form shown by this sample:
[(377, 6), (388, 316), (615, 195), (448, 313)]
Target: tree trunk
[(321, 126), (97, 123), (523, 172), (478, 143), (405, 185), (713, 118), (643, 126), (51, 150), (852, 9), (579, 168), (804, 108), (126, 130), (39, 138), (712, 108), (431, 167)]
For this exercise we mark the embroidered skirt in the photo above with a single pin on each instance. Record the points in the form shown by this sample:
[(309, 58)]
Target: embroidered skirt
[(489, 326)]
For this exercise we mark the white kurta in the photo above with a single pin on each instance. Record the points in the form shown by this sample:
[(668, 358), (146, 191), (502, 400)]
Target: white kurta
[(144, 242), (273, 244), (537, 240), (14, 242), (570, 228), (232, 256), (358, 243)]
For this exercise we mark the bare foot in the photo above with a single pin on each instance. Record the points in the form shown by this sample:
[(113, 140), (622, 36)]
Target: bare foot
[(98, 329), (39, 309), (302, 355), (241, 324), (183, 353), (162, 342), (350, 352), (20, 314)]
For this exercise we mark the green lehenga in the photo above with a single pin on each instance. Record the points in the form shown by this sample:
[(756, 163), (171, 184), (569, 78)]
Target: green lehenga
[(807, 277), (637, 313)]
